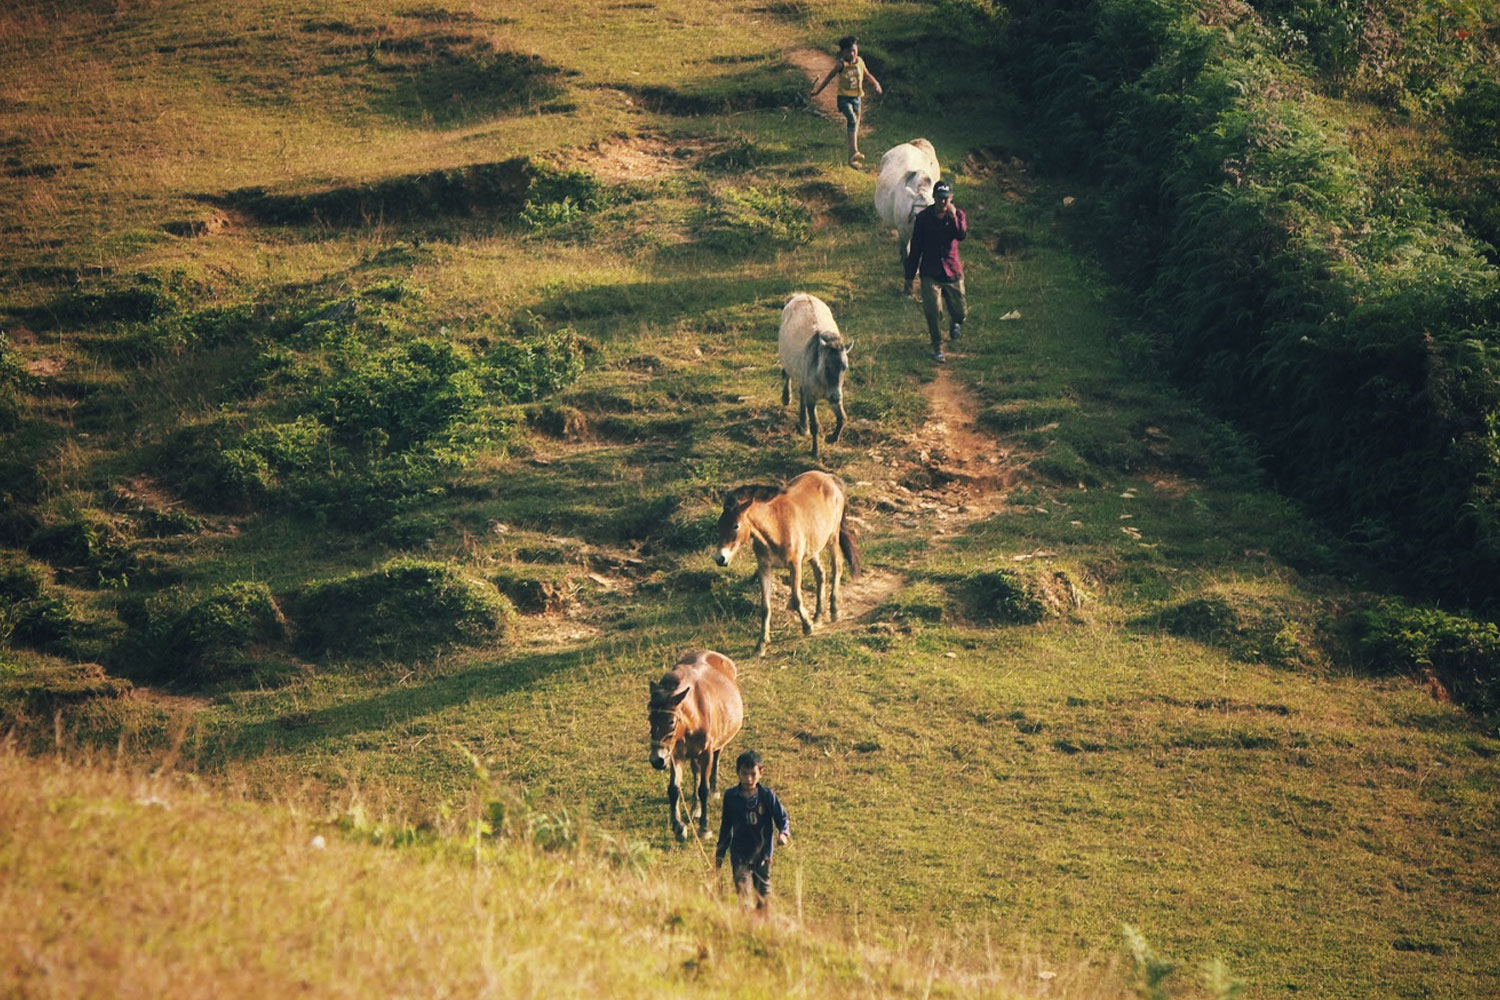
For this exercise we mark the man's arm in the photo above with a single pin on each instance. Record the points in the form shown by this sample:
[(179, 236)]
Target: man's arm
[(826, 80), (960, 223)]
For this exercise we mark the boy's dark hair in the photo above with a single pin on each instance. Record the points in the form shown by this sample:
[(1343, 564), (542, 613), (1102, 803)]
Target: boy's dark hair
[(747, 760), (847, 42)]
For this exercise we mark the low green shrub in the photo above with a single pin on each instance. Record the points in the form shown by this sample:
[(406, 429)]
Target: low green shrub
[(1004, 597), (1460, 654), (405, 607), (32, 612), (218, 638), (1255, 628), (399, 397), (87, 543)]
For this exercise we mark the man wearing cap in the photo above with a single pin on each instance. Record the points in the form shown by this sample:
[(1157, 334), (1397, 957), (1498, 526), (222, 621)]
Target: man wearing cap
[(934, 252)]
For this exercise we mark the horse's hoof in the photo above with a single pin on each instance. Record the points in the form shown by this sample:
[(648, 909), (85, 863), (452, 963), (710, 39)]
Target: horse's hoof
[(832, 438)]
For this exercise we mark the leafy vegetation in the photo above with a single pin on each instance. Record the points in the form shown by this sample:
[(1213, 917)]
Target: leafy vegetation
[(1328, 305)]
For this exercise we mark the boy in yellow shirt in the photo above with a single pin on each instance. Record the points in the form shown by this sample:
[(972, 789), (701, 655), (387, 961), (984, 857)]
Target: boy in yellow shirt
[(852, 74)]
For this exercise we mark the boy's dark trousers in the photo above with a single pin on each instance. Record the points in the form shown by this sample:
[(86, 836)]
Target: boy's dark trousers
[(751, 874)]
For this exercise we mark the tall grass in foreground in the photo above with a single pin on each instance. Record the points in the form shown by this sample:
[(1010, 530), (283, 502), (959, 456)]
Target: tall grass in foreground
[(166, 890)]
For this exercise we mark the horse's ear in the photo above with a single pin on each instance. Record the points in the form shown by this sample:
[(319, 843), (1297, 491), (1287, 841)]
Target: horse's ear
[(676, 699)]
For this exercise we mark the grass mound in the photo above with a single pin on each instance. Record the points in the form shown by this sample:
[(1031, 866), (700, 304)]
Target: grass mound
[(220, 638), (1250, 626), (405, 607)]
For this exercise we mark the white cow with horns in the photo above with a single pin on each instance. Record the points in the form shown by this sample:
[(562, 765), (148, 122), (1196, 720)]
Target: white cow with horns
[(814, 355), (904, 187)]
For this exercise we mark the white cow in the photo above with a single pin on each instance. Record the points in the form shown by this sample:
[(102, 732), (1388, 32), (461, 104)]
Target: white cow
[(904, 187), (813, 353)]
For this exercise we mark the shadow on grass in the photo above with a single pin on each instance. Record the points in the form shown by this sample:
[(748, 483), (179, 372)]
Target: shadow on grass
[(384, 710)]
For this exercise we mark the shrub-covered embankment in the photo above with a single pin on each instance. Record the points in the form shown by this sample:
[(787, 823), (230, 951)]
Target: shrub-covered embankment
[(1318, 298)]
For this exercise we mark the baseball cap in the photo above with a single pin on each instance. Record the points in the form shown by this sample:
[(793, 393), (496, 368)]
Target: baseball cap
[(942, 189)]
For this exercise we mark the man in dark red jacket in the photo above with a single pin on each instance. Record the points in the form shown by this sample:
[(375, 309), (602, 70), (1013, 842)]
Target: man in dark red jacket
[(935, 236)]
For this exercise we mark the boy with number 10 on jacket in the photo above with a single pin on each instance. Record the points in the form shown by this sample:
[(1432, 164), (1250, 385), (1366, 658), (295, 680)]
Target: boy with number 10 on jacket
[(754, 823)]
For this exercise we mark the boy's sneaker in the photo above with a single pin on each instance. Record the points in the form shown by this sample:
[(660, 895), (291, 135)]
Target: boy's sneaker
[(939, 356), (954, 332)]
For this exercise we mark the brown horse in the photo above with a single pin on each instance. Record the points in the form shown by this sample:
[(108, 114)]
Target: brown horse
[(786, 527), (695, 709)]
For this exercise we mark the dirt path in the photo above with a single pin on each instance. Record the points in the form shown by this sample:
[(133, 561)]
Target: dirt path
[(815, 65)]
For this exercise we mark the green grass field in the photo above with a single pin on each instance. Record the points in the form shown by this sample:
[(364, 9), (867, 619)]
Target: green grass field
[(1177, 744)]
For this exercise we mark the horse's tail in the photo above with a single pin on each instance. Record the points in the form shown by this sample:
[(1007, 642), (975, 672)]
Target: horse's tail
[(849, 547)]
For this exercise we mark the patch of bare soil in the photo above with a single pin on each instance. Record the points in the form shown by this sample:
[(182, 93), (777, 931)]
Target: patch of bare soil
[(646, 156), (960, 474)]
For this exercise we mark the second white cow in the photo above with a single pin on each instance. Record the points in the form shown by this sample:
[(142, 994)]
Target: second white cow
[(904, 187), (814, 355)]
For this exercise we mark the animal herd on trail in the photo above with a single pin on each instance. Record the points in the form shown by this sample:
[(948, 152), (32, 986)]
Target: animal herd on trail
[(695, 709)]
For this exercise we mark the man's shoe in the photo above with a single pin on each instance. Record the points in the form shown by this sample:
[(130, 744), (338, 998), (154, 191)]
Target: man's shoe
[(939, 357), (955, 331)]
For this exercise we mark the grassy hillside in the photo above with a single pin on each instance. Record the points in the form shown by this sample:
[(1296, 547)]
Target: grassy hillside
[(374, 371)]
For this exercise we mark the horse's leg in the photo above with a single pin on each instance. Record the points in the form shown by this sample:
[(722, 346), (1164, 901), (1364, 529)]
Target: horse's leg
[(833, 584), (795, 603), (765, 611), (702, 766), (713, 774), (700, 803), (674, 797), (818, 584), (786, 387)]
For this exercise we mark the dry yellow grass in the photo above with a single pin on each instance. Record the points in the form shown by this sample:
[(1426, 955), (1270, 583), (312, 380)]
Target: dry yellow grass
[(128, 884)]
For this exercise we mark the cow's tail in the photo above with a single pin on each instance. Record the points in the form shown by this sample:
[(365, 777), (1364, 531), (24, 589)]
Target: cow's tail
[(849, 547)]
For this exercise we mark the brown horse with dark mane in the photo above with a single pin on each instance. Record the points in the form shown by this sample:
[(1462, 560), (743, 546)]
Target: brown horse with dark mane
[(787, 526), (695, 710)]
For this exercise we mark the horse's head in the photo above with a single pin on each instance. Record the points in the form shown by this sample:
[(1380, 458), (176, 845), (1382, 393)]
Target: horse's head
[(661, 710), (734, 522)]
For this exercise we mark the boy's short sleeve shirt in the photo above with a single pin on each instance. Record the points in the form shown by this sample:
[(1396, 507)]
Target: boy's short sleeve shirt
[(852, 78)]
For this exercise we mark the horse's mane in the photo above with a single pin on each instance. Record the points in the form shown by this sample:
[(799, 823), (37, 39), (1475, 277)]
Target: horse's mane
[(750, 493)]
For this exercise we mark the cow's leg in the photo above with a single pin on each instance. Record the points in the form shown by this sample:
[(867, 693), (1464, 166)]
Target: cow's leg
[(765, 611), (786, 388), (837, 399), (801, 410), (812, 421), (701, 768), (674, 798)]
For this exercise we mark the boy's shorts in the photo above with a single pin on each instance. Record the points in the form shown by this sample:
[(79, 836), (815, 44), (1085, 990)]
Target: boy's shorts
[(849, 107), (748, 874)]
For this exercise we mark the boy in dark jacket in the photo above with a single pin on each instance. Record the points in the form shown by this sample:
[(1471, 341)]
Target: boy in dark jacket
[(754, 823)]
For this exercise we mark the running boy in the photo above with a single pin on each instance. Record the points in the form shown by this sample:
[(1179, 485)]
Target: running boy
[(754, 823), (852, 74)]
